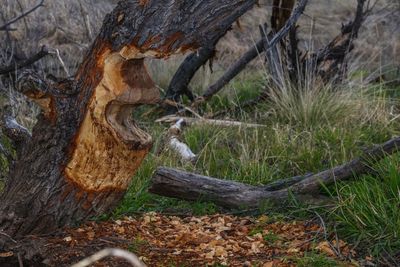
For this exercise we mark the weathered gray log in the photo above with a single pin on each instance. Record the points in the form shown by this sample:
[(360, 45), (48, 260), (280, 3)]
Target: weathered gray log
[(189, 186)]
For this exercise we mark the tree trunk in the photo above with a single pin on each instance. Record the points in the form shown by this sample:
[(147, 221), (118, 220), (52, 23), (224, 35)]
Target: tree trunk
[(85, 148)]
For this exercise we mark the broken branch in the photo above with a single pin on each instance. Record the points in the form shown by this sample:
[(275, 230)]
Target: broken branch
[(178, 146), (252, 53), (180, 82), (24, 14), (19, 65)]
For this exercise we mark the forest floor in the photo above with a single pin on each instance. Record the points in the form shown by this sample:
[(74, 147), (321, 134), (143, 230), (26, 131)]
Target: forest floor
[(212, 240)]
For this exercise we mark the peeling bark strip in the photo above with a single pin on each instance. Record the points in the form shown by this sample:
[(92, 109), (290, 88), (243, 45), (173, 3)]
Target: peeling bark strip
[(85, 147), (189, 186)]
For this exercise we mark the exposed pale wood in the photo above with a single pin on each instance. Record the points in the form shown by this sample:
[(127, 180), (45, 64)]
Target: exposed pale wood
[(189, 186), (108, 137), (182, 149)]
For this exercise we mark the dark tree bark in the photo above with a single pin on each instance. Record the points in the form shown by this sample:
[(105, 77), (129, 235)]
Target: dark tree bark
[(85, 147), (281, 10), (179, 84), (189, 186), (329, 62)]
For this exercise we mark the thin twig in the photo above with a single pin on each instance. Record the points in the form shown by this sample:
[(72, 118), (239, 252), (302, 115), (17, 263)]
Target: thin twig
[(86, 18), (5, 26), (20, 262), (56, 52)]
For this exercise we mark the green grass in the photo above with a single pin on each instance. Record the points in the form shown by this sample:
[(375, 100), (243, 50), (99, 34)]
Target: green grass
[(304, 132), (368, 209)]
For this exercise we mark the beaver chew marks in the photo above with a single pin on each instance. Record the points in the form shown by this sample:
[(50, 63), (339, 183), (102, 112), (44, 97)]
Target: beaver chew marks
[(110, 145)]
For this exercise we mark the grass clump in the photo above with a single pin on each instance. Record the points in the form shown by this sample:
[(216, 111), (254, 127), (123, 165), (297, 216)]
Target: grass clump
[(368, 209)]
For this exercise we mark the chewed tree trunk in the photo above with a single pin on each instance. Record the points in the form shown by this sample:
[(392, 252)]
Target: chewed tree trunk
[(85, 148)]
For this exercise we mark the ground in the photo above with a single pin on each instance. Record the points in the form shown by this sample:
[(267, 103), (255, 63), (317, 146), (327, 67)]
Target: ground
[(212, 240)]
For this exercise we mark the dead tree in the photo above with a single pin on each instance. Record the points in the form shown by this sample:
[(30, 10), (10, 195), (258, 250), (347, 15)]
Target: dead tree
[(85, 148), (267, 43), (179, 84), (285, 61)]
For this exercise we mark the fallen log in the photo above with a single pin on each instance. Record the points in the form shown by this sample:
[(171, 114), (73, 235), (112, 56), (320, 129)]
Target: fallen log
[(190, 186)]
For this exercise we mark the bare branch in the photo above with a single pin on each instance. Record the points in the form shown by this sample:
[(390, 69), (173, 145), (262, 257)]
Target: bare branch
[(179, 84), (252, 53), (328, 60), (203, 121), (42, 53), (5, 26)]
